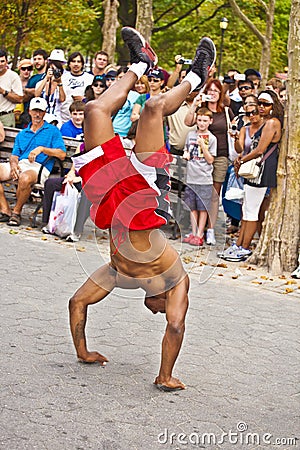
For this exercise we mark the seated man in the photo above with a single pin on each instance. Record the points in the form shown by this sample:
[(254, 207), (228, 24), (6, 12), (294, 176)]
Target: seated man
[(129, 196), (32, 148)]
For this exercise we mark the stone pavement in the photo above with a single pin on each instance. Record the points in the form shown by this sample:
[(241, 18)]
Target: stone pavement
[(239, 359)]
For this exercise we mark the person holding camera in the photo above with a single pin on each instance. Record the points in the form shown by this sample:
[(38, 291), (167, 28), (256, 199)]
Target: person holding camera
[(51, 89)]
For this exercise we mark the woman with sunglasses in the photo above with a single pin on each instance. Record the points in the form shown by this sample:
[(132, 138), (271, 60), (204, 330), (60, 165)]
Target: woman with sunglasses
[(25, 69), (93, 91), (255, 140), (155, 81)]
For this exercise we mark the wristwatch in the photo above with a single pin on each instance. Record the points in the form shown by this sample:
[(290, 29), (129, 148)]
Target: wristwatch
[(5, 94)]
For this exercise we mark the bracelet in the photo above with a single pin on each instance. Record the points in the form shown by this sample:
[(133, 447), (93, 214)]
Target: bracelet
[(59, 85), (5, 94)]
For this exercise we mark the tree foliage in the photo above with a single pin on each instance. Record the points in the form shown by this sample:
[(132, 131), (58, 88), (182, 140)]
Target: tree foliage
[(177, 27)]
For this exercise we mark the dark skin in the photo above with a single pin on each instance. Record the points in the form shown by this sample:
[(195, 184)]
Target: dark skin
[(145, 260)]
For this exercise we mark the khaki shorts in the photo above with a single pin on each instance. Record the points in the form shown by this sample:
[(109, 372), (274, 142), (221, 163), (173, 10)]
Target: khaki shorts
[(220, 168), (25, 165)]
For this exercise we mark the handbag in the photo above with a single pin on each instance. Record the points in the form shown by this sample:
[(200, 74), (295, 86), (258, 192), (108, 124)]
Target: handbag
[(232, 154), (63, 211), (253, 169), (250, 169)]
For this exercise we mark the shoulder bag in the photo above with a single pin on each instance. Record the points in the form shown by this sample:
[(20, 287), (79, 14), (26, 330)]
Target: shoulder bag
[(253, 168)]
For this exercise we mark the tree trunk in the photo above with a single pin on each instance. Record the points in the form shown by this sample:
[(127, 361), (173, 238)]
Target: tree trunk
[(265, 39), (144, 20), (278, 246), (109, 29)]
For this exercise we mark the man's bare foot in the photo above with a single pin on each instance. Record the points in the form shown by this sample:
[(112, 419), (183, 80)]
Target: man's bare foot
[(93, 357), (173, 384)]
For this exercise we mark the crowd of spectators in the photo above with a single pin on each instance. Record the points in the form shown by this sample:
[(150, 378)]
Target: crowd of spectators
[(66, 85)]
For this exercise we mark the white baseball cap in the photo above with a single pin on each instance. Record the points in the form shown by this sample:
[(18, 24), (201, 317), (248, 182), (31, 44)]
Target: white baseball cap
[(38, 103), (57, 55)]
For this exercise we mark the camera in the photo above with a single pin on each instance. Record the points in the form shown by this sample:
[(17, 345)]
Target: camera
[(57, 73), (233, 129), (185, 61), (206, 98)]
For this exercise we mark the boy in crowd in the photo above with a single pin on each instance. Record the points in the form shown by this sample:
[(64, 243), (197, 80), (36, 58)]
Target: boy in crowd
[(200, 150), (73, 128)]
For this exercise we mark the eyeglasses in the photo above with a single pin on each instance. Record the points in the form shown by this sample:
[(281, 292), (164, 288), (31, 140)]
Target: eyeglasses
[(29, 68), (264, 104), (154, 80), (246, 88), (255, 112), (213, 91), (98, 85)]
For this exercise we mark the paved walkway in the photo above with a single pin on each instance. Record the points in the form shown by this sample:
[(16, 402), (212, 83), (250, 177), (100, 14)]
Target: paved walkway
[(239, 359)]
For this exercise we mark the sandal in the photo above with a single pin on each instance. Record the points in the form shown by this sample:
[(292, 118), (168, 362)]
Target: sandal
[(4, 217), (15, 220)]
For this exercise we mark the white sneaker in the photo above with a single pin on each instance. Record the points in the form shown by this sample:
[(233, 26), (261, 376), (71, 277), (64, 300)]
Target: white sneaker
[(210, 236), (296, 273), (229, 251), (45, 230), (239, 255), (73, 237)]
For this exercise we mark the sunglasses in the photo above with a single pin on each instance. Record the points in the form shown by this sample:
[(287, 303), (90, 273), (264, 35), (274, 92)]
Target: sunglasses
[(264, 104), (246, 88), (255, 112), (27, 68), (110, 78), (98, 85), (154, 80)]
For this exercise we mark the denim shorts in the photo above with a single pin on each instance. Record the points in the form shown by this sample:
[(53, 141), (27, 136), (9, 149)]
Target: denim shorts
[(197, 197)]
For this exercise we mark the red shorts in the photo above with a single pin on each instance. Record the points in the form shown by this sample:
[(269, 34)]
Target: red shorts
[(124, 191)]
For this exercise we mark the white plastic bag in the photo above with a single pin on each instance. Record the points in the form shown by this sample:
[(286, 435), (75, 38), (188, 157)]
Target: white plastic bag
[(63, 211)]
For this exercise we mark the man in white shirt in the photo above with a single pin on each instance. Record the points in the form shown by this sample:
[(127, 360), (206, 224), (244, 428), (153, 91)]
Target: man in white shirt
[(75, 81), (11, 91)]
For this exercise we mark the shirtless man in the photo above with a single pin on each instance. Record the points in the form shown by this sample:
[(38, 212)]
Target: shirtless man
[(129, 196)]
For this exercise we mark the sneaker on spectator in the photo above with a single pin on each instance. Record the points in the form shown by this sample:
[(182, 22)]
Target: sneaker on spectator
[(240, 255), (296, 273), (73, 237), (229, 251), (45, 230), (204, 59), (187, 238), (210, 236), (196, 241), (139, 49)]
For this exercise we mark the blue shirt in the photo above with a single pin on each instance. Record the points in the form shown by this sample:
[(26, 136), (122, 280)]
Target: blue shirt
[(121, 121), (47, 136), (68, 129)]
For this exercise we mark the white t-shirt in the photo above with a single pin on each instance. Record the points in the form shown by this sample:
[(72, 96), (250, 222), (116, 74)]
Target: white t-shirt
[(198, 171), (10, 81), (73, 85)]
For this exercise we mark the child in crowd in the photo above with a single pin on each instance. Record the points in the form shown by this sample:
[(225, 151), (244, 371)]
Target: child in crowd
[(73, 127), (200, 150)]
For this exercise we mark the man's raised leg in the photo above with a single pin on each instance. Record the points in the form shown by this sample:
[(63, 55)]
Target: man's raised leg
[(149, 136), (98, 126)]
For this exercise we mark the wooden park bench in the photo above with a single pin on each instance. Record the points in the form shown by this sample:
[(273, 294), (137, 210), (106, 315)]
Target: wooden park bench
[(59, 169)]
